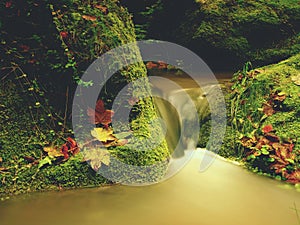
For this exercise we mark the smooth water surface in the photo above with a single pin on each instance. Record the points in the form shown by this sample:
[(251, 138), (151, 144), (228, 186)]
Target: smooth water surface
[(225, 194)]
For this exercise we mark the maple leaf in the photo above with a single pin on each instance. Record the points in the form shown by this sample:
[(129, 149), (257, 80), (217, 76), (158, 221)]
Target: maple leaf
[(53, 151), (89, 18), (73, 147), (103, 135), (69, 147), (100, 115), (97, 157), (267, 129), (283, 156)]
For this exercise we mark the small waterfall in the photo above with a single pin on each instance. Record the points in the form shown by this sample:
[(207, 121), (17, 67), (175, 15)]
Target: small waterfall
[(177, 113)]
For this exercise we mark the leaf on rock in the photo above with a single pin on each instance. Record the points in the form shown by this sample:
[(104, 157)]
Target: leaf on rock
[(268, 109), (294, 177), (89, 18), (96, 157), (73, 147), (103, 9), (267, 129), (103, 135), (52, 151), (100, 115)]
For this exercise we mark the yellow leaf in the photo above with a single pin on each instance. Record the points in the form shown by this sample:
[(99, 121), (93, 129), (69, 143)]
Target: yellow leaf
[(102, 134), (97, 157), (53, 151)]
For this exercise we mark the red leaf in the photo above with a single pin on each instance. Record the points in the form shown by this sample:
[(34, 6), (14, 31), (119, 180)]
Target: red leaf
[(294, 177), (268, 128), (64, 34), (8, 4), (25, 48), (72, 145), (100, 115), (64, 150)]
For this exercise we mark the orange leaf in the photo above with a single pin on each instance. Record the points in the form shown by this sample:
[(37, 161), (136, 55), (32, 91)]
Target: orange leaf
[(268, 128), (103, 9), (89, 18)]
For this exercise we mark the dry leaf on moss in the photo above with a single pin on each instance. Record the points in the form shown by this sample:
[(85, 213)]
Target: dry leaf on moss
[(102, 134)]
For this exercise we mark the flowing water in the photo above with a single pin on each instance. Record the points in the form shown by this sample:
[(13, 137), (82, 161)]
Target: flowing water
[(224, 194)]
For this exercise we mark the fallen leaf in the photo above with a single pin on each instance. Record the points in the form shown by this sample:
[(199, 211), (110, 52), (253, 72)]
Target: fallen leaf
[(294, 177), (151, 65), (89, 18), (96, 157), (268, 109), (52, 151), (73, 147), (100, 115), (65, 150), (102, 134), (25, 48), (64, 34), (267, 129), (103, 9)]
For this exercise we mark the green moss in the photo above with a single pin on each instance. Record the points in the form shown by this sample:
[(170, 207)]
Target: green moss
[(30, 122), (268, 96)]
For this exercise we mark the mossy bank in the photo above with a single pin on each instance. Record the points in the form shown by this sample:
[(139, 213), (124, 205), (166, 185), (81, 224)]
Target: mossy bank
[(39, 73)]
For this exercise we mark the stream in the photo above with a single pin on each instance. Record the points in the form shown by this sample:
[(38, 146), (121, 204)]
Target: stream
[(224, 194)]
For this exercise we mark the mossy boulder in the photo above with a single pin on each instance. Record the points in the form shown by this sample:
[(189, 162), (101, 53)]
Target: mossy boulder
[(225, 33), (264, 115), (81, 31)]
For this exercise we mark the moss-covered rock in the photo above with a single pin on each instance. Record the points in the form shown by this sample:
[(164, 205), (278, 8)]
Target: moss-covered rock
[(225, 33), (82, 30), (265, 117)]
